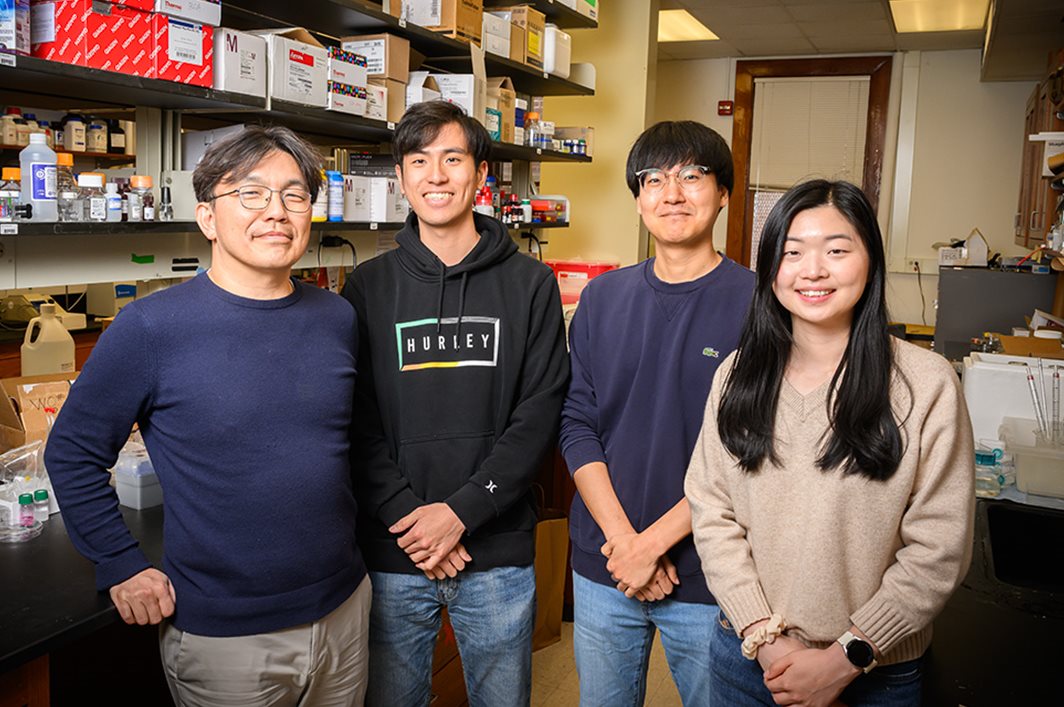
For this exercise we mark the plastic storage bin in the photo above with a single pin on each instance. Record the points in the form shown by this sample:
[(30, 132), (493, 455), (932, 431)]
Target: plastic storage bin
[(1039, 467), (573, 276), (138, 490), (557, 52)]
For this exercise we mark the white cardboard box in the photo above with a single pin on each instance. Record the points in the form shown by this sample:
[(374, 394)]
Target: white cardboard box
[(467, 90), (356, 198), (422, 87), (376, 102), (298, 67), (239, 62), (346, 99), (499, 46), (209, 13), (386, 203), (347, 67), (498, 26)]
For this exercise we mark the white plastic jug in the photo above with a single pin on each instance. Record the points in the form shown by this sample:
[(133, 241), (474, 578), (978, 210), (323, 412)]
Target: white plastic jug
[(51, 350)]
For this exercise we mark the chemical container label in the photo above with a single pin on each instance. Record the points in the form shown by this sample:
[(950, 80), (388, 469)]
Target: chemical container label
[(97, 208), (43, 180), (186, 42)]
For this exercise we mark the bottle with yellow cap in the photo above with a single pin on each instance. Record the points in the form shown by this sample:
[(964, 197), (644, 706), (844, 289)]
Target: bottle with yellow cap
[(10, 194)]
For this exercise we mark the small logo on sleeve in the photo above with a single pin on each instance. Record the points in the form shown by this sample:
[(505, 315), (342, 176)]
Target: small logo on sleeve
[(710, 352), (491, 486), (421, 346)]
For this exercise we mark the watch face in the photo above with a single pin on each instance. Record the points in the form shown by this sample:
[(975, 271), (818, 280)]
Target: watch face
[(859, 653)]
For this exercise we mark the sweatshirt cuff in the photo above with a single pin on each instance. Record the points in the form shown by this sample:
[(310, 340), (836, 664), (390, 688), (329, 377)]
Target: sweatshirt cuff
[(398, 506), (745, 606), (118, 569), (882, 623), (583, 452), (473, 505)]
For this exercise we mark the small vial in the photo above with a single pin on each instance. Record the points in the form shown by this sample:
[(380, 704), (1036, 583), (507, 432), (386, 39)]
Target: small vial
[(40, 505), (25, 510), (114, 202), (166, 207)]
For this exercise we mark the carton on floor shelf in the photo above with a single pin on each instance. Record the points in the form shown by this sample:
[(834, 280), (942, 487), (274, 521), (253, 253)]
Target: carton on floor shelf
[(28, 406), (387, 56), (239, 62), (297, 67)]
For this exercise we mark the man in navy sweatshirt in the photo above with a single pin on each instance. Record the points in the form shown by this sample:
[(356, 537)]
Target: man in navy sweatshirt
[(241, 381), (645, 343), (463, 371)]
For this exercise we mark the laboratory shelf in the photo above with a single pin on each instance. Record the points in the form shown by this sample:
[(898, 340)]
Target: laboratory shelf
[(556, 13), (152, 227)]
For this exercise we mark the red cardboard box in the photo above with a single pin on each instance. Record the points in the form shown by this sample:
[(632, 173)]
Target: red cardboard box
[(98, 35), (145, 5), (183, 51)]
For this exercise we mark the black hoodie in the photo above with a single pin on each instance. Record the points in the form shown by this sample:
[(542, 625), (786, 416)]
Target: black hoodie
[(462, 371)]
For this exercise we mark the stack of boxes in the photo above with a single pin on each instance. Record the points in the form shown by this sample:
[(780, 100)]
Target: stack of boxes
[(296, 67), (165, 39), (347, 82), (387, 68)]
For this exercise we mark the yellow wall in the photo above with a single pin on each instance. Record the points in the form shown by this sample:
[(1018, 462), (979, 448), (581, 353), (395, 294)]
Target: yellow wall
[(604, 221)]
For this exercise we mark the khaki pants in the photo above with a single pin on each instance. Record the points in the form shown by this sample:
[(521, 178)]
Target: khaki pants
[(317, 664)]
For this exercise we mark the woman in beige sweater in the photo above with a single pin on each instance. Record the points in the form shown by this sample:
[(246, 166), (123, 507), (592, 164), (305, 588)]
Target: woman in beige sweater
[(831, 488)]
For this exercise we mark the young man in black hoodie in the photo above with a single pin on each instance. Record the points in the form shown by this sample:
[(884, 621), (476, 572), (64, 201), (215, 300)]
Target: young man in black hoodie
[(462, 373)]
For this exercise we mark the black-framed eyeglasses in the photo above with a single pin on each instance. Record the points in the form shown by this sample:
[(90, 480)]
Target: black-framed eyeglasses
[(257, 198), (691, 178)]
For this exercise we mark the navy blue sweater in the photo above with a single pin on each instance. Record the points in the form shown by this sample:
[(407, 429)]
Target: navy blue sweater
[(643, 355), (244, 406)]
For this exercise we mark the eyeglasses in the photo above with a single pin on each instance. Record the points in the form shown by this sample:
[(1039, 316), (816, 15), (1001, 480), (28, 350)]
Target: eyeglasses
[(690, 178), (257, 198)]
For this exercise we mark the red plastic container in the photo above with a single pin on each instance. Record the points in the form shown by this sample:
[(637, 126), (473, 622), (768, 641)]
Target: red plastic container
[(573, 275)]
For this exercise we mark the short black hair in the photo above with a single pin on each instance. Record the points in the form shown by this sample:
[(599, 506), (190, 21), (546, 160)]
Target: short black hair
[(234, 157), (678, 142), (422, 122)]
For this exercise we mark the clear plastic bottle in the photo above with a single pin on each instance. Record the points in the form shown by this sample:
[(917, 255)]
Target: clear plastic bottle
[(114, 202), (533, 137), (38, 164), (25, 510), (68, 200), (166, 206), (10, 194), (141, 198), (40, 505), (988, 479), (334, 182), (91, 196)]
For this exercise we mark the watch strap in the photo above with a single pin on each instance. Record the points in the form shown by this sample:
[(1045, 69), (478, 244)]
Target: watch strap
[(845, 640)]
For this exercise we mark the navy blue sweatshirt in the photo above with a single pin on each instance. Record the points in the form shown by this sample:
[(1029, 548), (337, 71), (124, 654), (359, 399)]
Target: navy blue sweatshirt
[(643, 357), (462, 374), (245, 407)]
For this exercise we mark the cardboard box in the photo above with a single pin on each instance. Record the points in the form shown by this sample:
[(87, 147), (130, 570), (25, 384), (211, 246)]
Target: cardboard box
[(347, 67), (386, 203), (202, 11), (517, 43), (356, 198), (587, 8), (15, 35), (183, 51), (467, 90), (393, 98), (495, 25), (28, 405), (344, 98), (557, 52), (387, 56), (493, 122), (144, 5), (534, 23), (422, 87), (297, 67), (461, 19), (93, 34), (239, 62), (501, 89), (376, 101), (499, 46)]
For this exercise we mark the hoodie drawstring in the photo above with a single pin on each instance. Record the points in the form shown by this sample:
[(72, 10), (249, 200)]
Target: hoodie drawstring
[(461, 303), (439, 301)]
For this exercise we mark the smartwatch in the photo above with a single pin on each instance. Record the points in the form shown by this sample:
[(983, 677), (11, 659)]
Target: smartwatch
[(858, 652)]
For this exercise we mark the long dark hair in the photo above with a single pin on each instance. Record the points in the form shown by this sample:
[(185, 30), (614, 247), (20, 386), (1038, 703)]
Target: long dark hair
[(864, 436)]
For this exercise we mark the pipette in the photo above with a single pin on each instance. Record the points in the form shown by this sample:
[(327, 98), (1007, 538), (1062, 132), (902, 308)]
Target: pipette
[(1038, 410)]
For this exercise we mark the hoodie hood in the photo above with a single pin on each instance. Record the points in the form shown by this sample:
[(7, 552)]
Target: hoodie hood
[(494, 246)]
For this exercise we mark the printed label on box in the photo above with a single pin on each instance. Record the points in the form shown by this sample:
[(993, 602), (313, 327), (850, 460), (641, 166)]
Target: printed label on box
[(186, 42), (427, 13), (373, 50), (42, 23), (300, 74)]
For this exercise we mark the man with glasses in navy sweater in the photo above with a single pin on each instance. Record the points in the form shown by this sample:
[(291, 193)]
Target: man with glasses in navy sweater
[(644, 345), (241, 381)]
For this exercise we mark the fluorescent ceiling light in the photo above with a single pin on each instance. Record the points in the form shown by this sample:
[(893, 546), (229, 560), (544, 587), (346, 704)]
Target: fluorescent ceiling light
[(938, 15), (681, 26)]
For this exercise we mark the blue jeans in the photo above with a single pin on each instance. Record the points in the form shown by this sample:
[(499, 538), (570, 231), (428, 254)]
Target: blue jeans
[(740, 682), (612, 636), (492, 613)]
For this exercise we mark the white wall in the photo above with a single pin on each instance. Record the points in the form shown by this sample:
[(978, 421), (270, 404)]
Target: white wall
[(966, 150)]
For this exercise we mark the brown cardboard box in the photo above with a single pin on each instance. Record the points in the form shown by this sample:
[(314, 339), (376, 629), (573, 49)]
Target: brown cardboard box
[(501, 89), (461, 19), (534, 24), (387, 56), (517, 43), (29, 405), (396, 97)]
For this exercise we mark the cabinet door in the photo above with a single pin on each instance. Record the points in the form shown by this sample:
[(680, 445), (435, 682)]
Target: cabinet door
[(1031, 155)]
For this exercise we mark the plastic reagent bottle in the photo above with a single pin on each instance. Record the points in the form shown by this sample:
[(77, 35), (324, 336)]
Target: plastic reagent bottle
[(141, 198), (92, 198), (532, 136), (10, 194), (38, 164), (40, 505), (335, 204), (25, 510), (68, 204), (114, 202)]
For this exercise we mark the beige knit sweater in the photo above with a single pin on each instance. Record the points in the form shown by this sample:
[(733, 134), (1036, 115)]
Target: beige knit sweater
[(825, 550)]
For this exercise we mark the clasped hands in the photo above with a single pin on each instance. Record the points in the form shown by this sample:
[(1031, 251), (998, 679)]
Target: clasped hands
[(639, 570), (430, 535), (798, 675)]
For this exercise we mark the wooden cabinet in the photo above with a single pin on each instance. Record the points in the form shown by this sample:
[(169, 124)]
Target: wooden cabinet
[(1037, 204)]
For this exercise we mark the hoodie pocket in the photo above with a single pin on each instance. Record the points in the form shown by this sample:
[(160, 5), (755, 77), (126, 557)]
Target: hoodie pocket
[(436, 467)]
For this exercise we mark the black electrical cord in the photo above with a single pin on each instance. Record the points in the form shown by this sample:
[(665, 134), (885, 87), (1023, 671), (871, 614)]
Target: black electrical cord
[(339, 242), (920, 286), (531, 236)]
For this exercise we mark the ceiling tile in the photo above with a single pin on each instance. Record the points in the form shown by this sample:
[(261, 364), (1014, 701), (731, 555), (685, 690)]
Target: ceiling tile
[(822, 11), (737, 33), (854, 43), (869, 28), (773, 47)]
